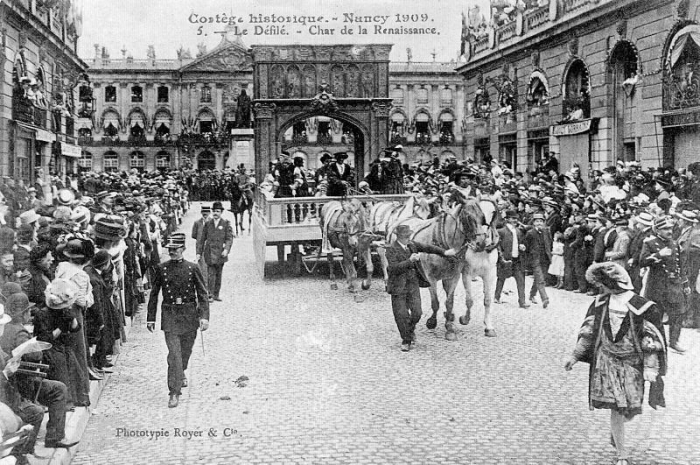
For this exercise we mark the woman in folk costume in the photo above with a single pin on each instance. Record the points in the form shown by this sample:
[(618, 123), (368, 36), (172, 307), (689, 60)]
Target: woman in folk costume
[(622, 339)]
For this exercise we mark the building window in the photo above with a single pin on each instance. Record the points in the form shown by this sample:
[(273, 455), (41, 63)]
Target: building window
[(324, 133), (111, 162), (162, 161), (162, 94), (299, 133), (206, 94), (482, 149), (422, 96), (446, 97), (397, 96), (398, 128), (110, 94), (137, 161), (447, 135), (136, 94), (509, 149), (85, 162), (577, 104), (422, 132)]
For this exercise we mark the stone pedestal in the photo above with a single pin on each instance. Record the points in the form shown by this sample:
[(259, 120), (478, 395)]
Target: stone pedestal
[(242, 149)]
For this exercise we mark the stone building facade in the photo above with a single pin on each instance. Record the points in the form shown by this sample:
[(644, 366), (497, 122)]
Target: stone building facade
[(155, 113), (593, 81), (40, 72)]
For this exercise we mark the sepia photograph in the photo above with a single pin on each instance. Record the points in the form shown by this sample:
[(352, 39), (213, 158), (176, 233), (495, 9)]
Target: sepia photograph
[(264, 232)]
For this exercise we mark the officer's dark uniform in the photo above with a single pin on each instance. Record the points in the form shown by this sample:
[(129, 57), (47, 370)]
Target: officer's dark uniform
[(185, 302)]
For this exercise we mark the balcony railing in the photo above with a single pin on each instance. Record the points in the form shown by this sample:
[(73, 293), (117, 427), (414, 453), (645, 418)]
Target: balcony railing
[(573, 5), (506, 31), (85, 140), (482, 44), (324, 139), (679, 93), (536, 18), (23, 110)]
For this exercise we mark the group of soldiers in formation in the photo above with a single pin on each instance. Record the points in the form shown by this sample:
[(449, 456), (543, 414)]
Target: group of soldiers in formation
[(76, 259)]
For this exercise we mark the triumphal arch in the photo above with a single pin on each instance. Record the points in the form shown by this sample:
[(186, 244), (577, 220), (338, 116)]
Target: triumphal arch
[(349, 83)]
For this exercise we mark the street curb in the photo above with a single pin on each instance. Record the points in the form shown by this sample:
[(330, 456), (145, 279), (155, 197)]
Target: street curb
[(76, 422)]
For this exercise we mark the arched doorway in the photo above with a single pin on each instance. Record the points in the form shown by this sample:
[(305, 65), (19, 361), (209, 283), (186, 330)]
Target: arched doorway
[(330, 131), (206, 161)]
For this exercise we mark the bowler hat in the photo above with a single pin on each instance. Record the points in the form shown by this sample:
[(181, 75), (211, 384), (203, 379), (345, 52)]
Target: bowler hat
[(511, 214), (175, 241), (325, 157), (217, 206), (206, 209), (340, 155), (101, 258), (403, 230)]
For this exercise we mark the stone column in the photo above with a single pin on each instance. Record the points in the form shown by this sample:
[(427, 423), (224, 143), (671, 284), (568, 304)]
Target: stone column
[(264, 137), (380, 138)]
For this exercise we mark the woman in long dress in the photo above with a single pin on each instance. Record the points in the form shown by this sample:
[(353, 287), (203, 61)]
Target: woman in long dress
[(623, 341)]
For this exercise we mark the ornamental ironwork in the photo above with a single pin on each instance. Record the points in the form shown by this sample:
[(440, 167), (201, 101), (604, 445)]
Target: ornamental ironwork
[(682, 90)]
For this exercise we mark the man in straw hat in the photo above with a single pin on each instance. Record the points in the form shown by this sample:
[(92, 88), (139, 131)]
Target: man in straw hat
[(197, 229), (406, 277), (666, 282), (643, 223), (185, 309), (622, 339)]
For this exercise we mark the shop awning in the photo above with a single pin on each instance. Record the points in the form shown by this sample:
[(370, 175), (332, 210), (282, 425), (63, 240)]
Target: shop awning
[(681, 39)]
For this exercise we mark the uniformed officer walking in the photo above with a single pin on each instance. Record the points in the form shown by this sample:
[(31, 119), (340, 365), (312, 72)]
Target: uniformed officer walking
[(185, 309), (666, 283)]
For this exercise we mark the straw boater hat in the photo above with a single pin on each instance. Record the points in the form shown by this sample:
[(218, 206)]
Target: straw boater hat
[(645, 218), (29, 217), (65, 197), (687, 215), (609, 274)]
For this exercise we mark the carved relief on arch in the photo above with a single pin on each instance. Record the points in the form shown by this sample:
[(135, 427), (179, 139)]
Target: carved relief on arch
[(293, 82), (337, 81), (308, 81), (367, 81), (277, 85), (352, 81)]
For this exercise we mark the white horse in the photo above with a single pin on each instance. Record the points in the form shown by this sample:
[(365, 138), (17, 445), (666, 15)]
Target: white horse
[(480, 257)]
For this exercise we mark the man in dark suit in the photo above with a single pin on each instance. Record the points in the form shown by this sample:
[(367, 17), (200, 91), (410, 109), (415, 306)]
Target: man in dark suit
[(511, 250), (185, 309), (214, 245), (538, 245), (340, 176), (197, 229), (406, 277)]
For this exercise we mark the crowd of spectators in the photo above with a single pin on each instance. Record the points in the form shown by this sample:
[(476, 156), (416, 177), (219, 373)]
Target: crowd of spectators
[(75, 259)]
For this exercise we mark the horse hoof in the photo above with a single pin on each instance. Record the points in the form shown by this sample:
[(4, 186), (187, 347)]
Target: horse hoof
[(490, 332), (365, 285), (334, 287), (431, 323), (450, 336), (464, 320)]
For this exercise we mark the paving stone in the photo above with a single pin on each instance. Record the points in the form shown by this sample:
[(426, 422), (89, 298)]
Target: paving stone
[(327, 383)]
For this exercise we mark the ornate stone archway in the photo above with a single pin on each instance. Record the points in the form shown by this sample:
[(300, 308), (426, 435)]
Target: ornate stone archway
[(349, 83)]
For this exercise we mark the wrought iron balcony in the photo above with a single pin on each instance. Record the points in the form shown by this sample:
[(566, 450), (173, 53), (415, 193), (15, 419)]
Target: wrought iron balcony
[(681, 92), (23, 110)]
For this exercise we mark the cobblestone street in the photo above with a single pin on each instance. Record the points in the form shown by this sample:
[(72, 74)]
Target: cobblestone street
[(293, 372)]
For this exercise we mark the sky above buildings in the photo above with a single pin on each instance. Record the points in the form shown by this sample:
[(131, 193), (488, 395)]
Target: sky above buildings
[(128, 27)]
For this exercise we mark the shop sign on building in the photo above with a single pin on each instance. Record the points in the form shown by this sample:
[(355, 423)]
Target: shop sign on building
[(577, 127), (70, 150)]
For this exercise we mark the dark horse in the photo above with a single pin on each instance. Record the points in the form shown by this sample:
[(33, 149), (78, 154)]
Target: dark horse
[(241, 201)]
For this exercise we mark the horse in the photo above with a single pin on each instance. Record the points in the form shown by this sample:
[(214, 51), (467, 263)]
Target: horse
[(385, 216), (344, 226), (480, 257), (241, 201)]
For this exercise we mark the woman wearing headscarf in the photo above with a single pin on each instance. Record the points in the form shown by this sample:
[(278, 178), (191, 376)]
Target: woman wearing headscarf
[(623, 341)]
